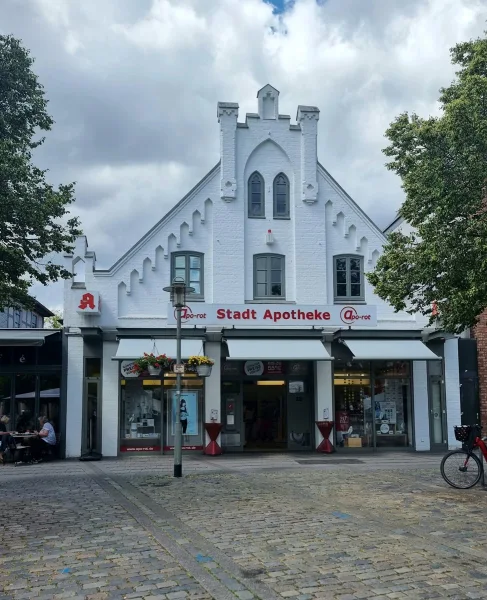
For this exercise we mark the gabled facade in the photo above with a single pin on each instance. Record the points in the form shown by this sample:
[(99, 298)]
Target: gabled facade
[(276, 253)]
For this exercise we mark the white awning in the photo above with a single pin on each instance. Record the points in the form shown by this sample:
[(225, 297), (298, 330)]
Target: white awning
[(390, 350), (272, 349), (131, 348), (25, 337)]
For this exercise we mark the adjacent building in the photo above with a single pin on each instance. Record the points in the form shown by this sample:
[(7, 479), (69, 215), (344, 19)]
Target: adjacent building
[(30, 368), (276, 253)]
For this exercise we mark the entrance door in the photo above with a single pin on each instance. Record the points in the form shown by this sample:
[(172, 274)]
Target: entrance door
[(233, 430), (299, 417), (265, 415), (438, 427), (91, 442)]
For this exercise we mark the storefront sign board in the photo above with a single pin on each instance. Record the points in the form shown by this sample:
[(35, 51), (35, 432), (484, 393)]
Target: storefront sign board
[(275, 315), (126, 369), (88, 303)]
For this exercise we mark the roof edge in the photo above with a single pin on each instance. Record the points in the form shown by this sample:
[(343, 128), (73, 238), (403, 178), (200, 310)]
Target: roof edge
[(355, 205), (116, 265)]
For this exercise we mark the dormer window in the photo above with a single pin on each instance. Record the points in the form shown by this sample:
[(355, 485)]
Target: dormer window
[(281, 197), (256, 196)]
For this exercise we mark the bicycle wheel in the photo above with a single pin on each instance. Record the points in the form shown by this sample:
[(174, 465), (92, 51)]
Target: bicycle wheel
[(461, 469)]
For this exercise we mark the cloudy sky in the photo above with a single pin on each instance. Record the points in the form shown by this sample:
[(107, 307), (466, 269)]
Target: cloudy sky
[(133, 87)]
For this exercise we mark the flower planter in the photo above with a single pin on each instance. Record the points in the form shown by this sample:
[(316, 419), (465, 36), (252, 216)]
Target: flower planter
[(203, 370), (154, 370)]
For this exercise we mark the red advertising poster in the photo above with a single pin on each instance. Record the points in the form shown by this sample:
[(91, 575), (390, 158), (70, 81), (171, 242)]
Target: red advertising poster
[(342, 420), (274, 367)]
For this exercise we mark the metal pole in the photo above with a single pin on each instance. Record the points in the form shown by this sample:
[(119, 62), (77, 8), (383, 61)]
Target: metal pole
[(178, 431)]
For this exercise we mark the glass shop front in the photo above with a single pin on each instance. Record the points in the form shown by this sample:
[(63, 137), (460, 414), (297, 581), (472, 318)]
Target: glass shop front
[(148, 413), (373, 406)]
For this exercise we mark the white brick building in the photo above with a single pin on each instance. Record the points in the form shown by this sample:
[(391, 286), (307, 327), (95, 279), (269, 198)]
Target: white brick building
[(268, 229)]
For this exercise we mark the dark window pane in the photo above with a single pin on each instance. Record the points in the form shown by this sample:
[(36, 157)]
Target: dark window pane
[(276, 289), (51, 352), (261, 263), (261, 290), (355, 264), (93, 367), (261, 276), (341, 277), (342, 290), (355, 289), (5, 355), (5, 396), (276, 263), (26, 355), (50, 386), (355, 276), (341, 264), (196, 285), (25, 395), (256, 196), (276, 276)]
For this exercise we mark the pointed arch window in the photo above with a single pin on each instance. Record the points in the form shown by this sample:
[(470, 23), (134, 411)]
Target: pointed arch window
[(256, 197), (281, 197)]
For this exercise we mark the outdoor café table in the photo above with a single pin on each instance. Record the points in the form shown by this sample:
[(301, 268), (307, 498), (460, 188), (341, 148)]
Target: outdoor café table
[(22, 448)]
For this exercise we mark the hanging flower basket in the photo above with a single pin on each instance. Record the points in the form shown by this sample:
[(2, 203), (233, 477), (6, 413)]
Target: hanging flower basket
[(201, 364), (151, 363)]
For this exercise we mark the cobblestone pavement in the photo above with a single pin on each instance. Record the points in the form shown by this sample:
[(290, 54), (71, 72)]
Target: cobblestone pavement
[(270, 526)]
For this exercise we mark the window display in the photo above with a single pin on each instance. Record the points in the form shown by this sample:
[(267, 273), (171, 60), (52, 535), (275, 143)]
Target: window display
[(141, 415)]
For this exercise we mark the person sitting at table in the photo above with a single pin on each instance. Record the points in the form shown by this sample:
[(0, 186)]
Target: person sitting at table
[(45, 436), (5, 436)]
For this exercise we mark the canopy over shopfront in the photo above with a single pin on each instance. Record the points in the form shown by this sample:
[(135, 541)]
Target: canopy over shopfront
[(26, 337), (390, 350), (132, 348), (276, 349)]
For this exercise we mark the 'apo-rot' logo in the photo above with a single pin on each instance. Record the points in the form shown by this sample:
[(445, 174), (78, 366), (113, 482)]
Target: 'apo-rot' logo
[(349, 315), (187, 315)]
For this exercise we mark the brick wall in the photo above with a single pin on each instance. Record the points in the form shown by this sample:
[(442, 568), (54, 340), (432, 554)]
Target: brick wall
[(480, 334)]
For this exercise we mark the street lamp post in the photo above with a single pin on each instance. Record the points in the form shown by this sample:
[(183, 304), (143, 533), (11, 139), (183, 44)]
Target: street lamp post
[(178, 290)]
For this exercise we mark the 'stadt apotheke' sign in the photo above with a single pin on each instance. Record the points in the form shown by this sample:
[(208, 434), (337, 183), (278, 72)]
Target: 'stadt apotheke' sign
[(276, 315)]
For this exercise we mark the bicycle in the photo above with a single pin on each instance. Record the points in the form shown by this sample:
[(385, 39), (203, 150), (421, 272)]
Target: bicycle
[(462, 468)]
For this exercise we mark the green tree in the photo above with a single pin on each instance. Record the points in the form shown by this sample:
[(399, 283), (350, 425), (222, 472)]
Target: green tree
[(54, 322), (34, 222), (442, 162)]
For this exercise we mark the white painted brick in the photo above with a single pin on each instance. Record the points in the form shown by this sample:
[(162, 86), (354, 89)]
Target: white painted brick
[(110, 400), (452, 390), (421, 405), (74, 408)]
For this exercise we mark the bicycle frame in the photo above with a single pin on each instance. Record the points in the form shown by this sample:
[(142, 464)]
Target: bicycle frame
[(479, 443)]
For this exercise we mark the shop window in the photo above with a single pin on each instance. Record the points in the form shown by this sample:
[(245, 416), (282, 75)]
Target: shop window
[(269, 276), (6, 355), (188, 266), (49, 397), (93, 367), (392, 412), (141, 416), (281, 197), (392, 368), (256, 196), (349, 278), (5, 396), (25, 356), (50, 353), (34, 321), (25, 400)]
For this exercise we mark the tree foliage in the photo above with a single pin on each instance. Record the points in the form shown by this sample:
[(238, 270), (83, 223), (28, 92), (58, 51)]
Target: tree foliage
[(442, 162), (54, 322), (34, 222)]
